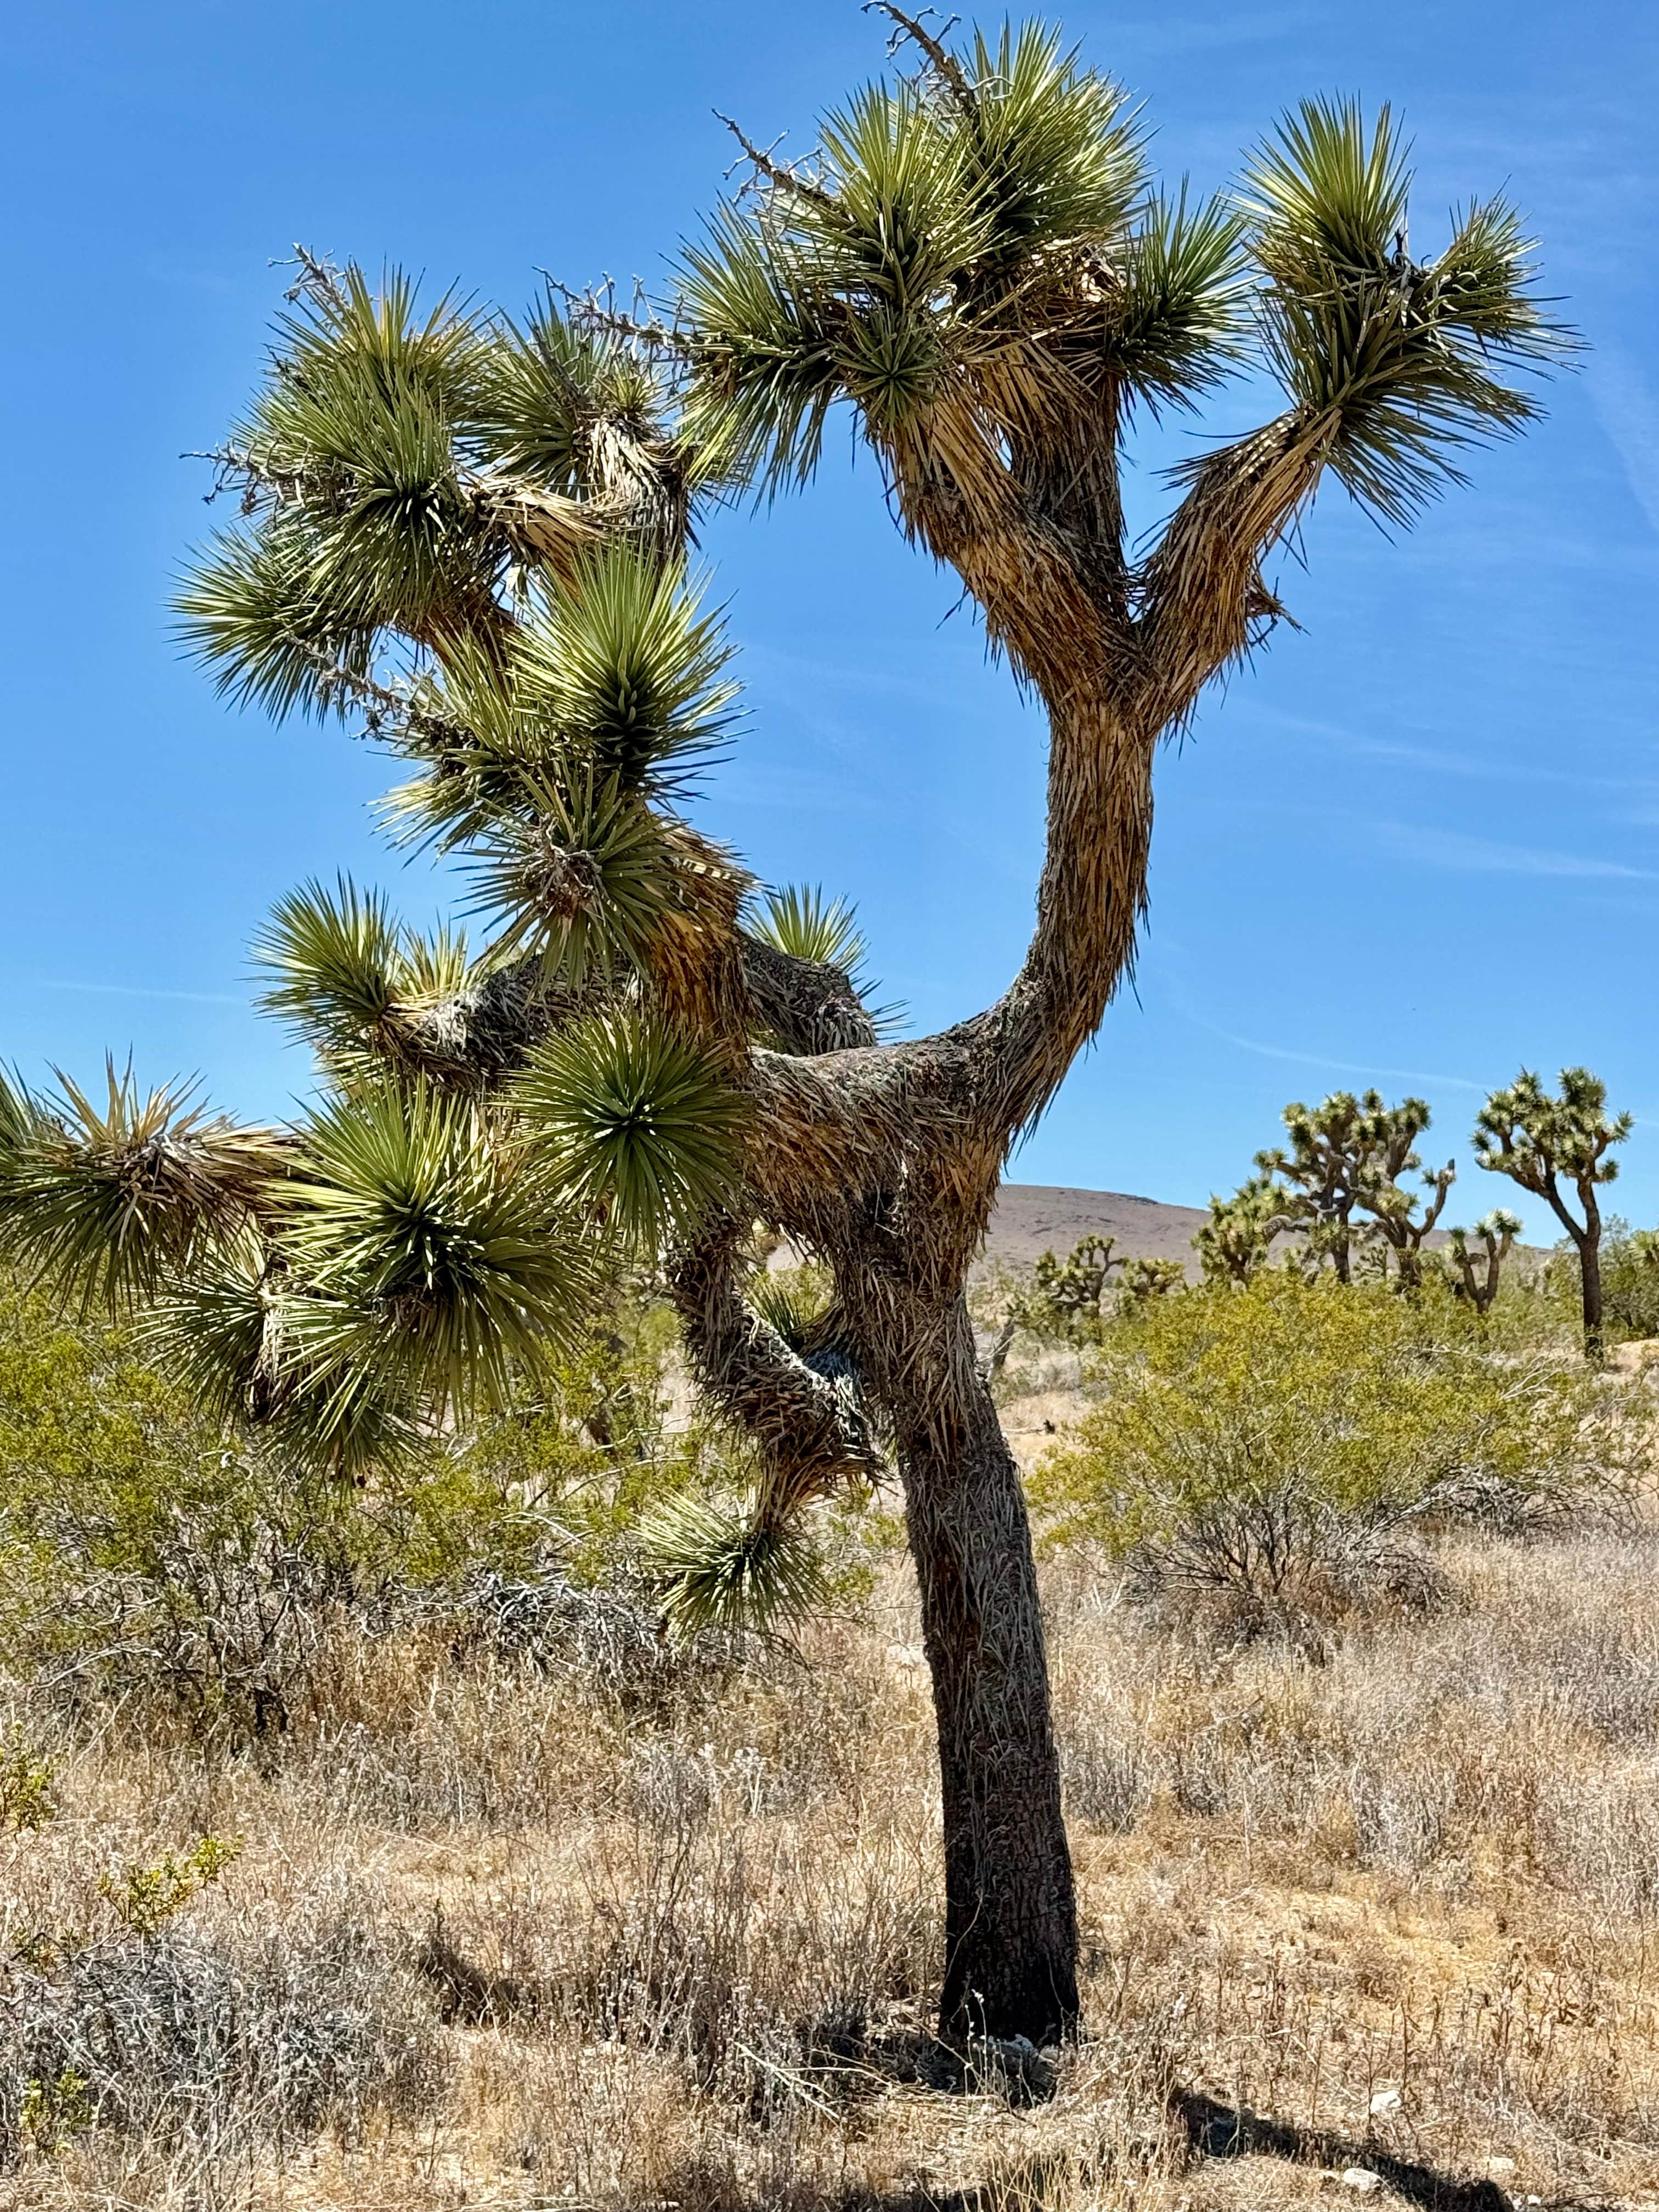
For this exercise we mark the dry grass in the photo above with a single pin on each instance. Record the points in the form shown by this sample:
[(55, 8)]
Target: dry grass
[(496, 1938)]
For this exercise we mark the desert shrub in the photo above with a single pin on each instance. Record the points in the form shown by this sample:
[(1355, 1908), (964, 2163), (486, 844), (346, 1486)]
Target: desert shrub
[(1630, 1281), (1280, 1442), (227, 2041), (143, 1549)]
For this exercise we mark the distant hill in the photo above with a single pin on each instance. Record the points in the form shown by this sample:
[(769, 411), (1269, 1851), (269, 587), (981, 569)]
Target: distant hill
[(1031, 1218)]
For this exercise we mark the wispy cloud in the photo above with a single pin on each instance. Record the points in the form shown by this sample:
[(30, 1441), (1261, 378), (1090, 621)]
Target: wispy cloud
[(1501, 765), (1174, 988), (1460, 855), (1629, 408), (134, 991), (1368, 1071)]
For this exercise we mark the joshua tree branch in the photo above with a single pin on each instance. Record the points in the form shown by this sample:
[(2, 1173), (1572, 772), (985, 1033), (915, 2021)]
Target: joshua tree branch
[(1203, 600), (808, 1430), (807, 1006), (946, 67)]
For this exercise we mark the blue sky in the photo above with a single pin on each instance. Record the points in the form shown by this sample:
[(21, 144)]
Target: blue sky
[(1417, 843)]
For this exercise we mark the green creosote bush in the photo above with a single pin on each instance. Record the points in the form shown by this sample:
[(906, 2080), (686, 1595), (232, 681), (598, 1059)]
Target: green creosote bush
[(143, 1549), (1278, 1444), (143, 1898), (26, 1778), (1630, 1281)]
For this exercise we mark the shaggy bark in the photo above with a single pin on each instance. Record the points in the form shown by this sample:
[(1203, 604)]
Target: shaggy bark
[(1010, 1918)]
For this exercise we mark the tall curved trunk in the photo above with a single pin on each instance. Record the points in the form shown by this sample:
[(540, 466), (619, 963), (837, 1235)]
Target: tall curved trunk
[(883, 1160), (1010, 1921)]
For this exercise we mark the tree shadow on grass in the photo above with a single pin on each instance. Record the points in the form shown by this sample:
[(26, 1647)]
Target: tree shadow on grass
[(1217, 2131)]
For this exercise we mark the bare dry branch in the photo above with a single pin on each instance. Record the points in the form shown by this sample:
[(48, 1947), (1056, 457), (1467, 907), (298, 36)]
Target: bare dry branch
[(777, 174), (948, 69)]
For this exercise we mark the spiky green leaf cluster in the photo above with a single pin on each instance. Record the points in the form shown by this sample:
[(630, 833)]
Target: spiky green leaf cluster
[(108, 1199), (570, 407), (396, 1258), (637, 1122), (367, 993), (401, 466), (734, 1569), (799, 920), (1403, 361), (434, 1250), (553, 763), (973, 251), (352, 461)]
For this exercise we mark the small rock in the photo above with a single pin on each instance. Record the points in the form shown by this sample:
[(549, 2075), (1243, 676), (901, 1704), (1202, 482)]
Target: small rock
[(1384, 2102), (1362, 2178), (1500, 2166)]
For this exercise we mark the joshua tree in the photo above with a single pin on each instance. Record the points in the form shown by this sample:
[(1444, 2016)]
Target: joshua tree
[(1540, 1142), (1345, 1157), (1324, 1174), (1475, 1274), (1233, 1244), (1389, 1141), (1143, 1280), (1070, 1291), (476, 535)]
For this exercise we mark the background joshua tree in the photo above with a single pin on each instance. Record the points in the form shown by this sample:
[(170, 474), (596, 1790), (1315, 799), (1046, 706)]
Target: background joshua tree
[(1143, 1280), (1540, 1142), (1475, 1273), (1071, 1290), (476, 535), (1233, 1244), (1388, 1142), (1321, 1176), (1345, 1158)]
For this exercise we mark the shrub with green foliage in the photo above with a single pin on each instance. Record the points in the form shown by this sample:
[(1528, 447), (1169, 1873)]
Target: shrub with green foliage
[(1279, 1441), (1630, 1280), (141, 1548)]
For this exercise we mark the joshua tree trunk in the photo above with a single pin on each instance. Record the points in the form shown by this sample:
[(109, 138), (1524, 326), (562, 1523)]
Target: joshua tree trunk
[(1010, 1931), (1589, 1275), (884, 1161)]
